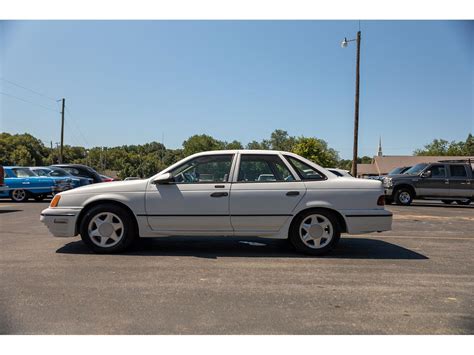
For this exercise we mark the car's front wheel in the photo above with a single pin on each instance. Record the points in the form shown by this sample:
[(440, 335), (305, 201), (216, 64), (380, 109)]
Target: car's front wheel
[(315, 232), (403, 197), (108, 229), (463, 202), (19, 195)]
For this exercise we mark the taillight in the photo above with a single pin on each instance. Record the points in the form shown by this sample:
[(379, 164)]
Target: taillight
[(55, 201), (381, 201)]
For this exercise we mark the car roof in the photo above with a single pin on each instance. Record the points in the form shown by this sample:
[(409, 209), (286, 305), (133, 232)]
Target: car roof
[(71, 165)]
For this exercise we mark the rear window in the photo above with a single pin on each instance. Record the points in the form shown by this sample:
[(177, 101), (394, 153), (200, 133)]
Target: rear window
[(305, 171)]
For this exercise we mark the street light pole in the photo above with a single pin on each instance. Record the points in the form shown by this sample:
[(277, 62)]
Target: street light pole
[(356, 105)]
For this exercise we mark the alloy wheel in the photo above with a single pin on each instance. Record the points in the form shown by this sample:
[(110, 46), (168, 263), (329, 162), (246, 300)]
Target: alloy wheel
[(316, 231), (105, 229)]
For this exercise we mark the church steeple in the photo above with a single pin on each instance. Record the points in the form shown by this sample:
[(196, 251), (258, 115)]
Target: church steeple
[(379, 153)]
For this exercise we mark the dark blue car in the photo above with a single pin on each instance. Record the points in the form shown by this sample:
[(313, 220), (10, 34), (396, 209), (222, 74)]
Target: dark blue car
[(55, 172)]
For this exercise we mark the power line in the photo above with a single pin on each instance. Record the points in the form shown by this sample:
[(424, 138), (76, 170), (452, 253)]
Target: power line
[(29, 102), (25, 88), (77, 126)]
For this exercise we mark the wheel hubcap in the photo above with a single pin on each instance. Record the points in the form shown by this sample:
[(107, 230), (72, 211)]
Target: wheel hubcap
[(105, 229), (404, 197), (316, 231), (19, 194)]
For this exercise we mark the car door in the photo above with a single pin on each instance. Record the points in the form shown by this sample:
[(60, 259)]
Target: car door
[(459, 182), (435, 184), (196, 201), (264, 193)]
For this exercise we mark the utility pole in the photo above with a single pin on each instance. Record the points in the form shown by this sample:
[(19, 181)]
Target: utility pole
[(62, 132), (356, 110)]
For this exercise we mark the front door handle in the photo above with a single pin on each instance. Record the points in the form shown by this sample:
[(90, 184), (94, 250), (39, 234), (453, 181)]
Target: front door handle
[(219, 194), (292, 193)]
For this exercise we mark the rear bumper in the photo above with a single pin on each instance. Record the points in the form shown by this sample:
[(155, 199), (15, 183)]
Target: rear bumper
[(61, 222), (368, 221)]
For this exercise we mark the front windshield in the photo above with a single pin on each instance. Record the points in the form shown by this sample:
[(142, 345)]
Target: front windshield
[(415, 170), (395, 171)]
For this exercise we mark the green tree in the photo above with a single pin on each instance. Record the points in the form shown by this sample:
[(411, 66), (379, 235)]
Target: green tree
[(316, 150), (469, 145), (280, 140), (264, 145), (201, 143), (233, 145), (443, 147), (21, 149)]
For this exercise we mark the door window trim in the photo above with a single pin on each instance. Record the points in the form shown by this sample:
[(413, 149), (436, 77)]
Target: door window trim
[(430, 168), (231, 170), (235, 176)]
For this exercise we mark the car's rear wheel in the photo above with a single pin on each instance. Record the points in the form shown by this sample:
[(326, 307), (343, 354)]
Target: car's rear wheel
[(448, 202), (19, 195), (315, 232), (108, 229), (404, 197)]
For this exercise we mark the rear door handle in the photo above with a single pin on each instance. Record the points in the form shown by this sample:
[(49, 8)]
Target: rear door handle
[(292, 193), (219, 194)]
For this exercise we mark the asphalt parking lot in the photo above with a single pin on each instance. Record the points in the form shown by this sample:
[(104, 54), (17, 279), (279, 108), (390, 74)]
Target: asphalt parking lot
[(416, 279)]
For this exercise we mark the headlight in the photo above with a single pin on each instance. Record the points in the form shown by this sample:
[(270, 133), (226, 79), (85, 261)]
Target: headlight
[(387, 182)]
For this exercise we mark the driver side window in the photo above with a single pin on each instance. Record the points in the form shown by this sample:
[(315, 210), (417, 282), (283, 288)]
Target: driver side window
[(204, 169), (438, 171)]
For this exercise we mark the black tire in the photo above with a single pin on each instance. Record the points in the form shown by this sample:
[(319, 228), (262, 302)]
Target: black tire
[(404, 196), (39, 198), (463, 202), (296, 240), (448, 202), (19, 195), (129, 233)]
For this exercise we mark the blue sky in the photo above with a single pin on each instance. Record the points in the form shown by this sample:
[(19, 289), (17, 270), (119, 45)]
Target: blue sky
[(130, 82)]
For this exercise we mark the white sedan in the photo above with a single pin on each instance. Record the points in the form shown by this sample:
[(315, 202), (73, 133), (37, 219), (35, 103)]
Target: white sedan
[(222, 193)]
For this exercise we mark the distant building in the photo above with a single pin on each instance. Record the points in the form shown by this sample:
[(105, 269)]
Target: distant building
[(381, 165)]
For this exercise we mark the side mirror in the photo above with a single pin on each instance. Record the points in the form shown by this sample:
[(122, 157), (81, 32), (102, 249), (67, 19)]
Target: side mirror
[(426, 174), (163, 179)]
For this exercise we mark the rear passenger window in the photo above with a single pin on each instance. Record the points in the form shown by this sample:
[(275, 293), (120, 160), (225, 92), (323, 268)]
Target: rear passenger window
[(263, 168), (458, 171)]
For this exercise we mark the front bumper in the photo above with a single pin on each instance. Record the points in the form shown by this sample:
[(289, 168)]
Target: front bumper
[(388, 191), (61, 222)]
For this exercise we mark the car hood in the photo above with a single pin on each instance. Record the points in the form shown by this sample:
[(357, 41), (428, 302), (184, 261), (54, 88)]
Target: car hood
[(114, 186)]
